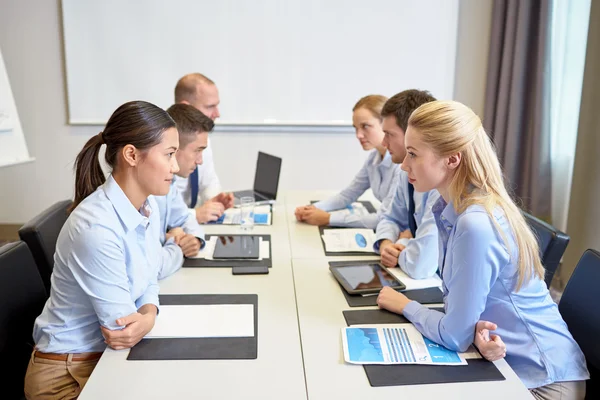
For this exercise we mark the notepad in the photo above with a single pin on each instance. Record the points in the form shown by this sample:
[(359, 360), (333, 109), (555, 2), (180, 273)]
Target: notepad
[(394, 344), (412, 284), (204, 321)]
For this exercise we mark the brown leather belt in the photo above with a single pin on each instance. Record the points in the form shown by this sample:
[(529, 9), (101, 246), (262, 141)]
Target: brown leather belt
[(64, 357)]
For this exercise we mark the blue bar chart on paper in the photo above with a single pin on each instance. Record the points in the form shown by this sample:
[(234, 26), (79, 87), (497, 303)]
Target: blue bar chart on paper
[(394, 344)]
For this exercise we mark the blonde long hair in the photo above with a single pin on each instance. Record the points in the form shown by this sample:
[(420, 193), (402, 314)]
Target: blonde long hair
[(449, 127)]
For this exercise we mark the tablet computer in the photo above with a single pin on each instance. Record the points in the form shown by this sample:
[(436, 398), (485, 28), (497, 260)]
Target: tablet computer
[(236, 247), (366, 278)]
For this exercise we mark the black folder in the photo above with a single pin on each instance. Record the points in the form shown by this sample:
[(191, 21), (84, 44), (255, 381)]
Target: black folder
[(202, 262), (423, 296), (478, 370), (200, 348)]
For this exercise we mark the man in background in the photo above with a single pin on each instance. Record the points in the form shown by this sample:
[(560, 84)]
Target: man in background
[(202, 191)]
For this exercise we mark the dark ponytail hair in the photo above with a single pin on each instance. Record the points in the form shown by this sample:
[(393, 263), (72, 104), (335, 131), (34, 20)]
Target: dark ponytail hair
[(138, 123)]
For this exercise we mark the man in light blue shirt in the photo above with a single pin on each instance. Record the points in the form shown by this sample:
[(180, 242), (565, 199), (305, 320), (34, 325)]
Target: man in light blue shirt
[(417, 256), (88, 290), (177, 226), (377, 174), (406, 234), (177, 222)]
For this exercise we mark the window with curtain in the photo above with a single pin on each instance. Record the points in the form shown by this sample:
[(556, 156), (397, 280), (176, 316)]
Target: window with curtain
[(570, 20)]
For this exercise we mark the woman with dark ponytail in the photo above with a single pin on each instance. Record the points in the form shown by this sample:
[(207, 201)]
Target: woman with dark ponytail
[(104, 287)]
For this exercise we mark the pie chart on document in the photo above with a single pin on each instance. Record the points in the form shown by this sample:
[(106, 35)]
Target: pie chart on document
[(360, 240)]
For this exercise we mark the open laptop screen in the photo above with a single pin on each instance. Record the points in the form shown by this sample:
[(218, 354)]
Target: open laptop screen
[(266, 179)]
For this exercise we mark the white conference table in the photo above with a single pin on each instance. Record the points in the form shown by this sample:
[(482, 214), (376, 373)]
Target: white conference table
[(276, 373), (299, 340), (320, 305)]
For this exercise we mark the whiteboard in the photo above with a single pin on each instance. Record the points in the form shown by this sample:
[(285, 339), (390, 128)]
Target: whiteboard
[(292, 62), (13, 148)]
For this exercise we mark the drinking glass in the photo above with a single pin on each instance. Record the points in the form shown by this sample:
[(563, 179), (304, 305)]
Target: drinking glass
[(247, 213)]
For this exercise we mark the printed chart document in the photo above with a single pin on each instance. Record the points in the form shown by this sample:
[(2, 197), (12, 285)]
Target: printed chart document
[(340, 240), (233, 216), (209, 249), (395, 344), (204, 321), (353, 209)]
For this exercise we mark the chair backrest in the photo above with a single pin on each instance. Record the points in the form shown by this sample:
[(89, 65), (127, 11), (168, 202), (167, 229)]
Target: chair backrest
[(579, 308), (41, 234), (22, 298), (553, 244)]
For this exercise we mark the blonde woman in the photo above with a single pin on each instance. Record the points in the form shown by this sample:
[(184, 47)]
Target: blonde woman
[(377, 172), (488, 257)]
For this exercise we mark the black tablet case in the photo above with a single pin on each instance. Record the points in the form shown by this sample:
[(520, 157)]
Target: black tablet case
[(423, 296)]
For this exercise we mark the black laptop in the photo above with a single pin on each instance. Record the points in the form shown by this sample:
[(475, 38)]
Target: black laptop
[(266, 180)]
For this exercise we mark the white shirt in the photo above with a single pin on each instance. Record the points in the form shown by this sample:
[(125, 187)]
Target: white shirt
[(208, 182)]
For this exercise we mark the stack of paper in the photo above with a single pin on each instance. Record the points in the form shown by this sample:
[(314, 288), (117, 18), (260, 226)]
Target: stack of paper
[(396, 344), (264, 247), (342, 240), (411, 284)]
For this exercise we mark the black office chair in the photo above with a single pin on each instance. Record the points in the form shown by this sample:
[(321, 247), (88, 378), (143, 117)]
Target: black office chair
[(553, 244), (22, 298), (579, 308), (41, 234)]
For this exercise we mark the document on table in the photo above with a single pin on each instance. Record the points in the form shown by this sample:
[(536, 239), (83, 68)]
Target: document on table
[(207, 252), (353, 209), (341, 240), (411, 284), (396, 344), (204, 321), (233, 216)]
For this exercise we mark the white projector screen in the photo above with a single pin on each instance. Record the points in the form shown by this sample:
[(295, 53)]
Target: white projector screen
[(293, 62)]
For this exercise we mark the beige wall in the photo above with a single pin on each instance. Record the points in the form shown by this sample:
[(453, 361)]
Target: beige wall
[(30, 40), (475, 20), (583, 224)]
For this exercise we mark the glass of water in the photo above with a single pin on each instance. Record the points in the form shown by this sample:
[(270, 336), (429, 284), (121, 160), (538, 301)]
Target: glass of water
[(247, 213)]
